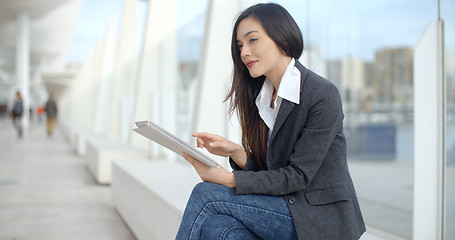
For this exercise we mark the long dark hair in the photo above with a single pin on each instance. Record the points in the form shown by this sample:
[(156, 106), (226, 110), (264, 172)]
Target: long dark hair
[(284, 31)]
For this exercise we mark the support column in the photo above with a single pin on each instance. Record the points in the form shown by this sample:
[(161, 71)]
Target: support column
[(124, 74), (95, 86), (83, 90), (23, 65), (428, 134), (158, 74), (106, 80)]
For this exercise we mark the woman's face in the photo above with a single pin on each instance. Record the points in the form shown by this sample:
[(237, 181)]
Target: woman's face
[(258, 51)]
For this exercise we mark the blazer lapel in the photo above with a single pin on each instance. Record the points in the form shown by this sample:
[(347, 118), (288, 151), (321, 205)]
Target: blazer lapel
[(287, 106), (285, 109)]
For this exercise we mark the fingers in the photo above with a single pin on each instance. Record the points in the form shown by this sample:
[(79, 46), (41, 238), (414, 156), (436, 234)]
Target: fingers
[(215, 144), (200, 142), (189, 158), (196, 164), (206, 173), (201, 134), (206, 136), (199, 139), (200, 168), (205, 139)]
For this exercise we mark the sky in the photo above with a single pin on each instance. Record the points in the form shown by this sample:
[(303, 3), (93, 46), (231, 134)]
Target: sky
[(96, 14), (341, 28), (359, 28), (91, 26)]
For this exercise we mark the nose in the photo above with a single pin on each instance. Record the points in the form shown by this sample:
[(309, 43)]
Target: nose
[(245, 51)]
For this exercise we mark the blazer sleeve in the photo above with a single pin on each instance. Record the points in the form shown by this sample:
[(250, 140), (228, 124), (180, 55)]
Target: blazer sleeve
[(320, 126), (249, 166)]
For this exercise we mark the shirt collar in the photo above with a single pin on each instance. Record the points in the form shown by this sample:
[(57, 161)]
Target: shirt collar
[(265, 95), (289, 88)]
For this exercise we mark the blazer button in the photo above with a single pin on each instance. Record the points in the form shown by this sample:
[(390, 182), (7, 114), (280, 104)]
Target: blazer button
[(291, 201)]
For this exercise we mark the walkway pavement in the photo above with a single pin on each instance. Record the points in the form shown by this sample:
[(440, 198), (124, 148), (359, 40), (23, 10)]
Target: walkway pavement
[(46, 191)]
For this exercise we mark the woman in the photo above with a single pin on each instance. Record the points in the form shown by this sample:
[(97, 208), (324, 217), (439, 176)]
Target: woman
[(290, 178)]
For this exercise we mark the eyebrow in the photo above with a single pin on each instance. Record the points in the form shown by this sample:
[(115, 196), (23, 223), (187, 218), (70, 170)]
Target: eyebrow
[(248, 33)]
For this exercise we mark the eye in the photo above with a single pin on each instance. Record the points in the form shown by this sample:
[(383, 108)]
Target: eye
[(240, 46), (253, 40)]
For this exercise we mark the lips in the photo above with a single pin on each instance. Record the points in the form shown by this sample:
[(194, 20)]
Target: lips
[(249, 64)]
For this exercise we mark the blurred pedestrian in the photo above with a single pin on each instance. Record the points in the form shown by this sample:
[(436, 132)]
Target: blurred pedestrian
[(16, 113), (51, 114), (40, 111)]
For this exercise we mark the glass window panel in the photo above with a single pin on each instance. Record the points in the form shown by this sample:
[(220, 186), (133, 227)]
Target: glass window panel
[(447, 10), (191, 25), (366, 49)]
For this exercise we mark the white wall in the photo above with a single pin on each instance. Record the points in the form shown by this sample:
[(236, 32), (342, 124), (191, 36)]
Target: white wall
[(428, 134)]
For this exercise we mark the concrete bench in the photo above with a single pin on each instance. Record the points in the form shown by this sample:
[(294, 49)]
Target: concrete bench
[(68, 132), (81, 136), (101, 152), (151, 195)]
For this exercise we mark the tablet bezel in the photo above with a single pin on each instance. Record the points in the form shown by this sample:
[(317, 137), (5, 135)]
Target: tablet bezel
[(168, 136)]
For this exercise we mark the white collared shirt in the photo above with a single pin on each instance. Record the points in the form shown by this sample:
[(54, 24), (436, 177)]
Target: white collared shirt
[(289, 89)]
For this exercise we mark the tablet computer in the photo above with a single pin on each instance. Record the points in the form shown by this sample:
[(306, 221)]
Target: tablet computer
[(171, 142)]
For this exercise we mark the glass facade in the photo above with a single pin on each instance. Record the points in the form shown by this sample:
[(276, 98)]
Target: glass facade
[(366, 49), (447, 10), (189, 42)]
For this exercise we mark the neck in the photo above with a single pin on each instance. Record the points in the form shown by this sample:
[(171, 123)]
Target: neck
[(277, 73)]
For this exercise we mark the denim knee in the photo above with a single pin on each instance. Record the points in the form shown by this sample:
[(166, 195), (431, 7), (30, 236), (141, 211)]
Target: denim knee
[(225, 227), (209, 190), (201, 188)]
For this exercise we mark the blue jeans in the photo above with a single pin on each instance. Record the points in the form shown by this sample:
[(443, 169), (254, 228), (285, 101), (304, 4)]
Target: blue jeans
[(216, 212)]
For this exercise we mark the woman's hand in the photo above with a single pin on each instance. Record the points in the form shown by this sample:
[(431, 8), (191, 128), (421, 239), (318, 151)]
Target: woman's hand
[(222, 147), (208, 174)]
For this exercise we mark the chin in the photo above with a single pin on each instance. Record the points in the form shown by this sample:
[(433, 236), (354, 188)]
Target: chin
[(255, 75)]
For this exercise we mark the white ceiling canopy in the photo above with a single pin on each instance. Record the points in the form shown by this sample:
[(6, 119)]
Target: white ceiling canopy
[(51, 28), (51, 24)]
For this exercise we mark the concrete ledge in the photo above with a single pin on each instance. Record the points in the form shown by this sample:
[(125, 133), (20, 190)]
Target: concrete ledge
[(81, 136), (151, 195), (373, 233), (100, 153), (68, 132)]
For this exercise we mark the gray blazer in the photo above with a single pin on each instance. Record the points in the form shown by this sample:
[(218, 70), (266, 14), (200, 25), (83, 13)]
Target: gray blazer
[(306, 164)]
